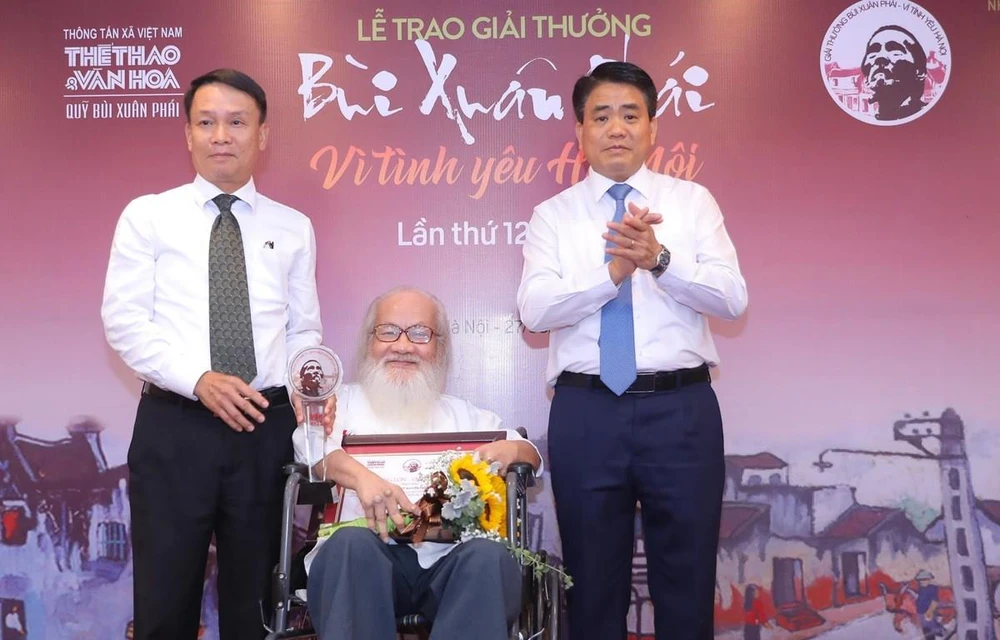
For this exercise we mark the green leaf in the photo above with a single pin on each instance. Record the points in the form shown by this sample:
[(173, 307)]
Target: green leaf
[(328, 529)]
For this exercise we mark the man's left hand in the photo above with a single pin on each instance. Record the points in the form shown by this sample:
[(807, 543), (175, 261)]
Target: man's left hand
[(634, 237), (329, 412)]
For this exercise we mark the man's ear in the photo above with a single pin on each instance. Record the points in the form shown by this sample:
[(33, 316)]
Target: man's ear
[(262, 134)]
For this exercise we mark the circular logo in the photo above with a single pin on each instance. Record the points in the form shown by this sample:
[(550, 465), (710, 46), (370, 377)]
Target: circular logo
[(315, 372), (885, 62), (412, 465)]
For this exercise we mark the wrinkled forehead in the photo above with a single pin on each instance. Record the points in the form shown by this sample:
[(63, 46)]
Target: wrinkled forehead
[(218, 97), (615, 96), (406, 309)]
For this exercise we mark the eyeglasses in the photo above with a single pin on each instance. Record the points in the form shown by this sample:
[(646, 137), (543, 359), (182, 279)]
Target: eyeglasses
[(417, 334)]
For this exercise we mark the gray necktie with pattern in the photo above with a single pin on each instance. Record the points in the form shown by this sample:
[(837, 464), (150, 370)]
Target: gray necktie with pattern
[(230, 328)]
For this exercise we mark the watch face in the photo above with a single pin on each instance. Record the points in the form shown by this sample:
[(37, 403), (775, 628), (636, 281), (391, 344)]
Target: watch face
[(662, 260)]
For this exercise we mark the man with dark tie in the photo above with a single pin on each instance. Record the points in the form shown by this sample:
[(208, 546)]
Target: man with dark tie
[(210, 290), (623, 269)]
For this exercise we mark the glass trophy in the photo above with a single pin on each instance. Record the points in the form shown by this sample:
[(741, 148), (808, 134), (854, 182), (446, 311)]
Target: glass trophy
[(315, 374)]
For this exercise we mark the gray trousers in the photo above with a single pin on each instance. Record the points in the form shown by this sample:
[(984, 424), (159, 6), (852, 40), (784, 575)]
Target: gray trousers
[(358, 585)]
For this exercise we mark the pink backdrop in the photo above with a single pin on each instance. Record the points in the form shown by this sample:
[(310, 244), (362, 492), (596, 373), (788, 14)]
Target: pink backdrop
[(869, 251)]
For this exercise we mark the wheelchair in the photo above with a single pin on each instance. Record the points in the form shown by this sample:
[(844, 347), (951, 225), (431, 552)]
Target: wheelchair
[(542, 596)]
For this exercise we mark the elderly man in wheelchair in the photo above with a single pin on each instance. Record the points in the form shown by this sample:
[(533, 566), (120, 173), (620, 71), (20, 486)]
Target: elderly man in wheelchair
[(360, 582)]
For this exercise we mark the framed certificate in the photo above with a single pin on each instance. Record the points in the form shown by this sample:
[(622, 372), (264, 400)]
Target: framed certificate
[(402, 459)]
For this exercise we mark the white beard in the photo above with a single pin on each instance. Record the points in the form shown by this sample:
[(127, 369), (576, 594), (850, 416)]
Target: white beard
[(403, 402)]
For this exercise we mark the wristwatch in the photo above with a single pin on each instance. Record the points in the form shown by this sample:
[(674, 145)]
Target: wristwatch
[(662, 262)]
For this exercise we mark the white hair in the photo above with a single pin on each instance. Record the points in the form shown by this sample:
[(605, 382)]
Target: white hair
[(404, 403)]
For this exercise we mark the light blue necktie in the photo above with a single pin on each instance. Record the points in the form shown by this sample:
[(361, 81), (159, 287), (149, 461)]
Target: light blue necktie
[(617, 341)]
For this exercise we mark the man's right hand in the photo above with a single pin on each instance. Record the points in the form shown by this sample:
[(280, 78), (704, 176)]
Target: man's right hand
[(231, 400), (621, 267), (382, 499)]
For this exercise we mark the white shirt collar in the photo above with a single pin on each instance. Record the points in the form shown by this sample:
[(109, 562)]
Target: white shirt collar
[(641, 181), (205, 191)]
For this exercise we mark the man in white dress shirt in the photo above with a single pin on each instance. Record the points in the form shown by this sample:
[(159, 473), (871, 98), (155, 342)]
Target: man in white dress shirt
[(358, 584), (623, 269), (210, 290)]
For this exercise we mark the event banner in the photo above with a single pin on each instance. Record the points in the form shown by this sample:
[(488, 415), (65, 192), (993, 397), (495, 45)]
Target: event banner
[(851, 146)]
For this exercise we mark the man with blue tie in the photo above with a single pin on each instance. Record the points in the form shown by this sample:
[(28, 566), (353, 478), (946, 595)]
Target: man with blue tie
[(623, 269)]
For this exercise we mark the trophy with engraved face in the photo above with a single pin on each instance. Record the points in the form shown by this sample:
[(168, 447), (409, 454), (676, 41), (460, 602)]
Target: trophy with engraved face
[(315, 373)]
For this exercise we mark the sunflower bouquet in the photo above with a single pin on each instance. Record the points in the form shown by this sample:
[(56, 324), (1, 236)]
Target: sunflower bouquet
[(465, 498), (475, 504)]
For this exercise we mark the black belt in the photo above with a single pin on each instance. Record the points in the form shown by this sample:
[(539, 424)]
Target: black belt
[(644, 382), (275, 396)]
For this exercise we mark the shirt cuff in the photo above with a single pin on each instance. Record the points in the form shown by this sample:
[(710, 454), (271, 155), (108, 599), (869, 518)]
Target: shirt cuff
[(182, 377), (682, 269), (514, 435), (312, 452)]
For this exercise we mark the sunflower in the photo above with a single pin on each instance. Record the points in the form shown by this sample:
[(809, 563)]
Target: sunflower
[(494, 516), (464, 468), (499, 484)]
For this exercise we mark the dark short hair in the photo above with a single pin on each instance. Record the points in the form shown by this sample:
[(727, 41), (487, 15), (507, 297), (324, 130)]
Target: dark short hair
[(617, 72), (919, 55), (230, 77)]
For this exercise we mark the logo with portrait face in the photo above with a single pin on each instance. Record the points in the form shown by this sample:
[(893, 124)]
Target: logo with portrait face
[(885, 62), (315, 372), (311, 378), (412, 465)]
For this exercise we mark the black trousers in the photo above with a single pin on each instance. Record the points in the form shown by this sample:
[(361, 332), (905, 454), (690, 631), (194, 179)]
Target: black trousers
[(664, 451), (191, 476)]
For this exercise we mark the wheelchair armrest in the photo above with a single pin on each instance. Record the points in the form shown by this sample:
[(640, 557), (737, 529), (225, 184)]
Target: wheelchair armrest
[(523, 472), (300, 490), (296, 467), (520, 476)]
